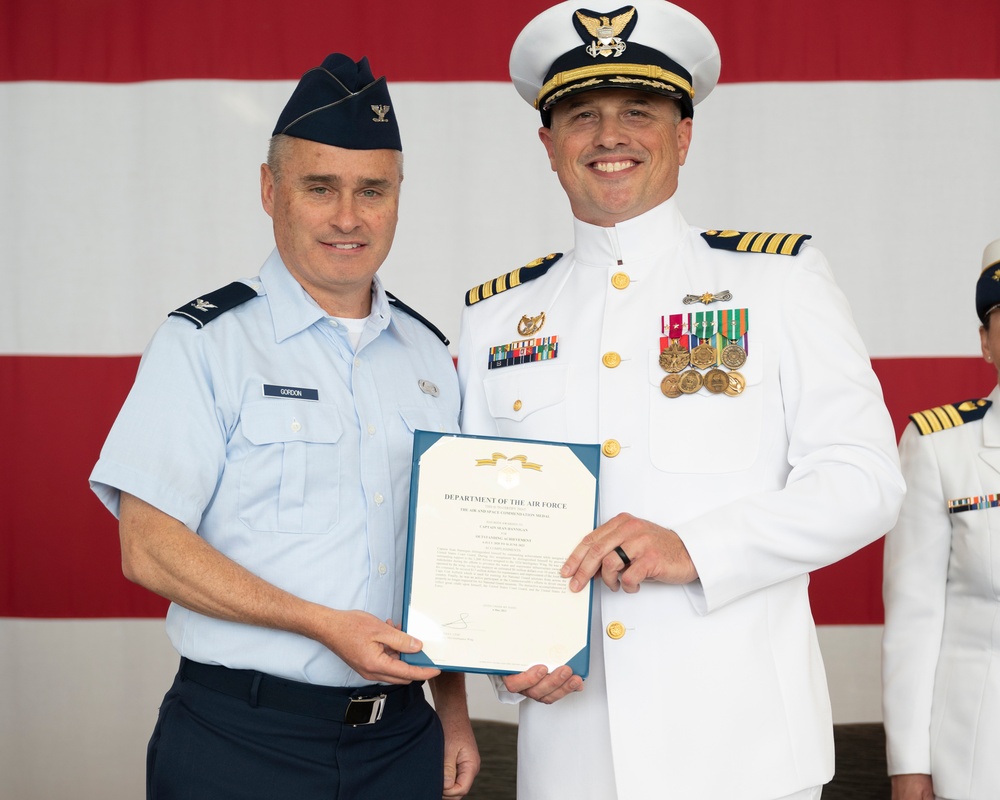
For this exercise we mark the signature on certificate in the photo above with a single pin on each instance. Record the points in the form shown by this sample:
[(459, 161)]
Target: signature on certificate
[(459, 624)]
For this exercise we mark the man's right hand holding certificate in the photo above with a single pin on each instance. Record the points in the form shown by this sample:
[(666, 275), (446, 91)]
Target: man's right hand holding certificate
[(625, 551)]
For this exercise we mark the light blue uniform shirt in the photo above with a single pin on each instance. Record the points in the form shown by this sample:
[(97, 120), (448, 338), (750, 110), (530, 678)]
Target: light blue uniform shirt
[(309, 494)]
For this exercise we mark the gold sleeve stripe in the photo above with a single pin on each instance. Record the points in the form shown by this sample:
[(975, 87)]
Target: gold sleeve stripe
[(921, 423), (940, 418), (953, 415), (775, 243), (509, 280), (789, 247), (785, 244)]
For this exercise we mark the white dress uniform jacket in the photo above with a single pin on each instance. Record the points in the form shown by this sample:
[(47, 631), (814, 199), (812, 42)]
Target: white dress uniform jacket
[(716, 690), (941, 646)]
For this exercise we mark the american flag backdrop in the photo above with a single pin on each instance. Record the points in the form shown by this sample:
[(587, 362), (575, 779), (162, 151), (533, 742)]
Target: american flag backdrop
[(131, 133)]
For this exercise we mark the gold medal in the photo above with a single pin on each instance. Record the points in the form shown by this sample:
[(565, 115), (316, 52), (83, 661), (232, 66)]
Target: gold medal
[(716, 381), (671, 385), (674, 358), (733, 325), (691, 381), (734, 356), (737, 383), (703, 356)]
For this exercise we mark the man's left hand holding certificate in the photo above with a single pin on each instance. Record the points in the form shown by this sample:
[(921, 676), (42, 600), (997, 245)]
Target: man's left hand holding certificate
[(491, 523)]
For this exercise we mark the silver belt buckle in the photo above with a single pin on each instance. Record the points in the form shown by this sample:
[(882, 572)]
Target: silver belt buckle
[(364, 710)]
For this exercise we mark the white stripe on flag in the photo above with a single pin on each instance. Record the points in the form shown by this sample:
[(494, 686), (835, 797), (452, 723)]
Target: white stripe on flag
[(121, 202)]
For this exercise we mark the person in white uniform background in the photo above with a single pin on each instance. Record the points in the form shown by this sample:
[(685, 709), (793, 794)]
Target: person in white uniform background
[(941, 643), (260, 472), (743, 434)]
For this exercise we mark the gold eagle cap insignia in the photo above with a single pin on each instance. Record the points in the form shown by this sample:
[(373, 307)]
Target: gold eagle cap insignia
[(606, 30)]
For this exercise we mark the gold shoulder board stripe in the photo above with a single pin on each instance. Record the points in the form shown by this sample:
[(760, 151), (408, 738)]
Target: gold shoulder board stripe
[(941, 418), (530, 271), (785, 244)]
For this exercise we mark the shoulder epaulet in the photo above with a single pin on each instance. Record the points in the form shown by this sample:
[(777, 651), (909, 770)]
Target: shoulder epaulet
[(950, 416), (785, 244), (530, 271), (395, 302), (209, 306)]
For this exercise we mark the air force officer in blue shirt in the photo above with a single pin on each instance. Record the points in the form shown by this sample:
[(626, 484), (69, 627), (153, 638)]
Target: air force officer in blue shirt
[(260, 470)]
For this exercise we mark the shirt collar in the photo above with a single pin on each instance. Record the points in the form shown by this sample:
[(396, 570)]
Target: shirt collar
[(293, 310), (641, 237)]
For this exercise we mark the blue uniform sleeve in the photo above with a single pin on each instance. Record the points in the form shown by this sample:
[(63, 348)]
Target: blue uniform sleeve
[(168, 444)]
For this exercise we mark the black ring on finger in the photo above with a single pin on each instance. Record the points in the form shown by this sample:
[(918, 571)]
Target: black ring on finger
[(625, 559)]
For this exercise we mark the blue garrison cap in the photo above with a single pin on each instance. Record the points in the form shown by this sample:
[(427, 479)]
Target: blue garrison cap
[(341, 104)]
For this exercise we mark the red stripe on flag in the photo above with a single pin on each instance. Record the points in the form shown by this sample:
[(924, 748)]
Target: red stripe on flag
[(850, 592), (455, 40), (59, 552)]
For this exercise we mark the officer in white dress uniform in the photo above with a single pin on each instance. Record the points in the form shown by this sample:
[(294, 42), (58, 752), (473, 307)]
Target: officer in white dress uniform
[(744, 438), (941, 646)]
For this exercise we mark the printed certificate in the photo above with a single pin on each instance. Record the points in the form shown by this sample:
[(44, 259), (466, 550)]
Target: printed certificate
[(491, 522)]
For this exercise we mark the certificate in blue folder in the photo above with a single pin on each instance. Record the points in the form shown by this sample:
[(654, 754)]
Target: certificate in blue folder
[(491, 522)]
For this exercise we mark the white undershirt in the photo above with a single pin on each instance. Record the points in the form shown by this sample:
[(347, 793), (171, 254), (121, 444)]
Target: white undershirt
[(354, 329)]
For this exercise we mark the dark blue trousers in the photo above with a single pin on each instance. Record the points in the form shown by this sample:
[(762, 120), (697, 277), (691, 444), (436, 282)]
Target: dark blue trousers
[(209, 745)]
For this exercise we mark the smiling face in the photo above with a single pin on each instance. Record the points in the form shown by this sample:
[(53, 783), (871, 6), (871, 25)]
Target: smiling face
[(617, 152), (334, 213)]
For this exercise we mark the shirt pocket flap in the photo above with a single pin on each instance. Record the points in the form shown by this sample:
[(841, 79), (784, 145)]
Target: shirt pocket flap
[(525, 391), (426, 419), (290, 421)]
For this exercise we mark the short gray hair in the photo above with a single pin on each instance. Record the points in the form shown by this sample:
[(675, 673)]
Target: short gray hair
[(277, 149)]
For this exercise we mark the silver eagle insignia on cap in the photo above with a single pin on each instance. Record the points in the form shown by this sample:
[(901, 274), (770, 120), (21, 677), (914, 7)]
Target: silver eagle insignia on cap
[(605, 31), (381, 111)]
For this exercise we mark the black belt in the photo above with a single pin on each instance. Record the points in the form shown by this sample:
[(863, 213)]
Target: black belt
[(362, 705)]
